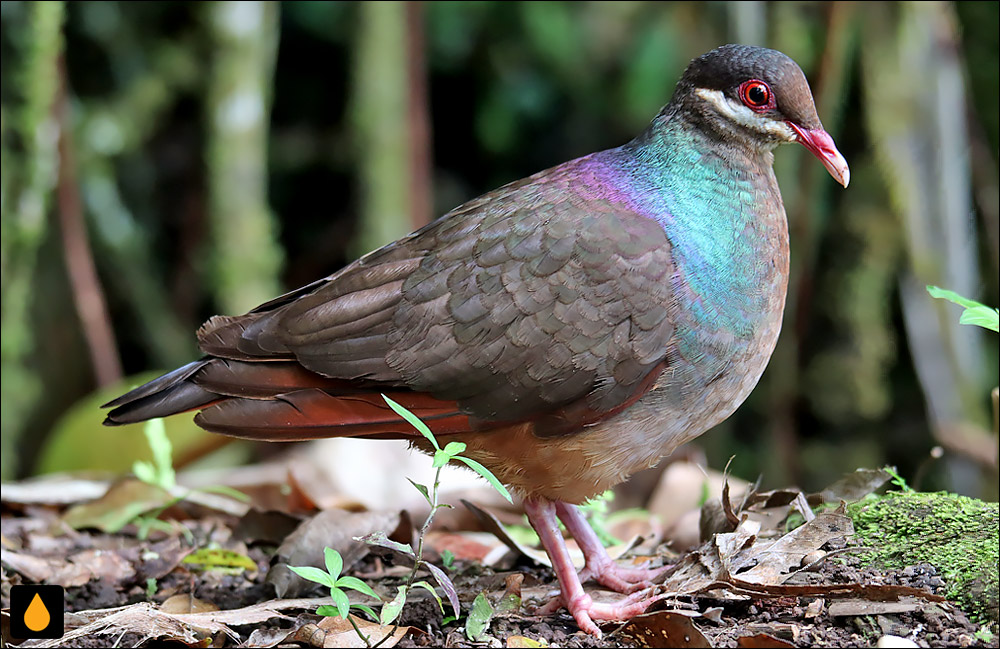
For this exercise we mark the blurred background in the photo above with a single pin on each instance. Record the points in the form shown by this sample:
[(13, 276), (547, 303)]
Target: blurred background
[(164, 162)]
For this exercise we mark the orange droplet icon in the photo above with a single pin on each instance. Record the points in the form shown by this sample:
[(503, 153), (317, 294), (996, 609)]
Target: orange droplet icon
[(37, 616)]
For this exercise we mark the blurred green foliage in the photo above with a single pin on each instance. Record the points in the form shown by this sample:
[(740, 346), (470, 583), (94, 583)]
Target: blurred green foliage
[(189, 216)]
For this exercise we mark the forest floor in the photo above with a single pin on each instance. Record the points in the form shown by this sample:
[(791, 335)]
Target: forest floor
[(754, 584)]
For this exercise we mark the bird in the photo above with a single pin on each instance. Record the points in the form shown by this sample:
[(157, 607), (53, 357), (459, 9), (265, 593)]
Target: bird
[(571, 328)]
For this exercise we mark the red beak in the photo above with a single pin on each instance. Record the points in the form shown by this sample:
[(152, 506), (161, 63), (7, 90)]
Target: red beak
[(821, 145)]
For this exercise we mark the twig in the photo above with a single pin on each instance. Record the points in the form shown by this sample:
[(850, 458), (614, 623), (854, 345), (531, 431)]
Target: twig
[(88, 296)]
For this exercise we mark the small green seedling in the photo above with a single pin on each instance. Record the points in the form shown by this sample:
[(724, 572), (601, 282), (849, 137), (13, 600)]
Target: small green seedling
[(332, 579), (160, 473), (392, 609), (975, 313)]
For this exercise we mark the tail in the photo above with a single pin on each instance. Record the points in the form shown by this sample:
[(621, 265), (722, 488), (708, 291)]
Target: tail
[(164, 396), (281, 401)]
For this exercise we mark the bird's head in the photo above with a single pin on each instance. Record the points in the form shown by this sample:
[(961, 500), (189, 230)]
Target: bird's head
[(759, 97)]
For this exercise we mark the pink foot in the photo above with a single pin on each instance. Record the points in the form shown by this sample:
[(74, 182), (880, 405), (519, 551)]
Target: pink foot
[(585, 610), (599, 566), (542, 514)]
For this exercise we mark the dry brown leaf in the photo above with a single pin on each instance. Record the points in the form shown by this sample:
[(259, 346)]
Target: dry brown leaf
[(75, 570), (850, 607), (481, 547), (338, 633), (56, 489), (124, 500), (682, 489), (762, 641), (334, 528), (664, 629), (491, 524), (142, 619), (186, 603), (265, 638), (775, 559)]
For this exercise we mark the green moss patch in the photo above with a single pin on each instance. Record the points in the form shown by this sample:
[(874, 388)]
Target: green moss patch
[(955, 534)]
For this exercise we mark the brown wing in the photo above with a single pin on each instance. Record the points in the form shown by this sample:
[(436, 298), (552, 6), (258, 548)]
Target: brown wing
[(529, 303)]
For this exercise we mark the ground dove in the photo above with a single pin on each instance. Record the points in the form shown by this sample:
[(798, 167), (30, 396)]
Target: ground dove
[(571, 328)]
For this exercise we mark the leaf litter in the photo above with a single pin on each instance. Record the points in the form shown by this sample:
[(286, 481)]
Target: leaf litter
[(751, 582)]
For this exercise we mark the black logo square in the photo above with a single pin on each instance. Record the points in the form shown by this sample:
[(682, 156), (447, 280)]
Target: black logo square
[(36, 611)]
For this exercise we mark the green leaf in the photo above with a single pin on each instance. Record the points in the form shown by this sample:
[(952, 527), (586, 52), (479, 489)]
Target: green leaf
[(951, 296), (354, 583), (423, 491), (454, 448), (975, 313), (144, 471), (413, 420), (391, 610), (479, 617), (430, 589), (235, 494), (488, 475), (334, 562), (982, 316), (217, 558), (328, 611), (341, 602), (366, 609), (447, 558), (381, 540), (440, 459), (156, 435), (314, 574)]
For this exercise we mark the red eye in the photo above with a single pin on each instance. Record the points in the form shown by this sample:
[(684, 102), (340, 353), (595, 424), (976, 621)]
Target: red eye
[(756, 95)]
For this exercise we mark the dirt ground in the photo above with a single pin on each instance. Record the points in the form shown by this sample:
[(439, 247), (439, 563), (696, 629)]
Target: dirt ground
[(832, 602)]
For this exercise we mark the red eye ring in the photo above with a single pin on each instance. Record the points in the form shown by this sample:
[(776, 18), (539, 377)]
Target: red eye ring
[(756, 95)]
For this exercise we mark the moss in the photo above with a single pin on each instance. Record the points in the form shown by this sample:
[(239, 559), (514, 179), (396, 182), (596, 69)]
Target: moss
[(955, 534)]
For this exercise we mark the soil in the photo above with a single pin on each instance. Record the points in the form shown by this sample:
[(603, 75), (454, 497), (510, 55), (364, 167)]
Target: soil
[(790, 620)]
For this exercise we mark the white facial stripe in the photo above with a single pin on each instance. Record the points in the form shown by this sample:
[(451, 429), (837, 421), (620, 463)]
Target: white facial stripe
[(737, 112)]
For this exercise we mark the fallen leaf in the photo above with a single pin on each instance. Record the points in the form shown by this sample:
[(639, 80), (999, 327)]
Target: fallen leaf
[(57, 489), (334, 528), (523, 642), (853, 486), (479, 617), (119, 506), (850, 607), (664, 629), (683, 487), (267, 637), (762, 641), (482, 547), (774, 560), (76, 570), (338, 633), (221, 560), (186, 604)]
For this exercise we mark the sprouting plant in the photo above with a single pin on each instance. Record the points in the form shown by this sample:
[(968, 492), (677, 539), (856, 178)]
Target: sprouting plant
[(160, 473), (897, 480), (391, 610), (596, 510), (975, 313), (332, 579)]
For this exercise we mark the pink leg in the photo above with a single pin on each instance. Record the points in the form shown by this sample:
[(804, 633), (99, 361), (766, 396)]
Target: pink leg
[(599, 565), (542, 515)]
